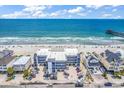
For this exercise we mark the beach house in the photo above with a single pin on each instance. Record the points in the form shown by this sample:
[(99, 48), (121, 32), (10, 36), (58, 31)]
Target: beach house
[(22, 63), (6, 62), (6, 53), (57, 58), (6, 59), (112, 61), (93, 64)]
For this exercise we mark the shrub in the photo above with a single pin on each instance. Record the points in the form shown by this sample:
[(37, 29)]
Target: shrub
[(10, 71), (105, 75), (10, 78)]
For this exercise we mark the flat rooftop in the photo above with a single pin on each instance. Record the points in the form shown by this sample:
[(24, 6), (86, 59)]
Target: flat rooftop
[(66, 51), (43, 51), (58, 54), (71, 51), (6, 60), (22, 60)]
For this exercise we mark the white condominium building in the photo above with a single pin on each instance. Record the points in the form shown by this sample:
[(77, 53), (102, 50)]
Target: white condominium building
[(57, 59)]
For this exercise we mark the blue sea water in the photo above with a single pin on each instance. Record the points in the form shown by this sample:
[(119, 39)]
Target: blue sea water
[(80, 31)]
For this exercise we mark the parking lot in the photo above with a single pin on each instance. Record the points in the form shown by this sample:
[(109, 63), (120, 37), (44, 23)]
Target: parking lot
[(72, 74)]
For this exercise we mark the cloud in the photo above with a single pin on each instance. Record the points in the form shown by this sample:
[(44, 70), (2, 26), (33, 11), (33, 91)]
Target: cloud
[(39, 14), (28, 12), (69, 13), (58, 13), (115, 5), (14, 15), (49, 6), (94, 6), (114, 10), (70, 16), (54, 14), (35, 12), (82, 14), (106, 15), (47, 11), (89, 11), (117, 17), (34, 8), (76, 10)]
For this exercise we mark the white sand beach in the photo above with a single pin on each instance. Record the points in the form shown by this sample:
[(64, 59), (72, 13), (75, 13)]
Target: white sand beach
[(31, 49)]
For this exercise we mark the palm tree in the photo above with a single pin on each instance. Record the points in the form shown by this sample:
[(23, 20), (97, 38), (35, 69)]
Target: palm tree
[(26, 73)]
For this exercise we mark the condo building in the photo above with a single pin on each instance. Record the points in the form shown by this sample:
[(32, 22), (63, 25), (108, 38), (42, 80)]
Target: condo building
[(57, 58)]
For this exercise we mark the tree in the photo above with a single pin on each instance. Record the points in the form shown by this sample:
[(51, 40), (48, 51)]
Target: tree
[(26, 73), (117, 75), (104, 75), (10, 71)]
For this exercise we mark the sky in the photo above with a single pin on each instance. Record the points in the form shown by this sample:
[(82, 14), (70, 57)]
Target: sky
[(62, 11)]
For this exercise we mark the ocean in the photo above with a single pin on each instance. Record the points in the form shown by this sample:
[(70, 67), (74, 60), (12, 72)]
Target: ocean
[(60, 31)]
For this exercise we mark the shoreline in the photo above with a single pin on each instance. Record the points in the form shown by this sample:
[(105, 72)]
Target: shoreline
[(51, 44), (61, 40)]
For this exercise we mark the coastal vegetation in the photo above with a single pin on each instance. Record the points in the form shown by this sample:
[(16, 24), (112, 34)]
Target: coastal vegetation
[(117, 75), (10, 73), (26, 73), (122, 72), (105, 75)]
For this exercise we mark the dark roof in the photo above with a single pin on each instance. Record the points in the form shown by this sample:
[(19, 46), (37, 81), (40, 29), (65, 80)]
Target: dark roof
[(112, 56), (6, 53), (6, 60)]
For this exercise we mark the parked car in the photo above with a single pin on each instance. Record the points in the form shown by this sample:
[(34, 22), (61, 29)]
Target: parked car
[(33, 75), (79, 84), (78, 69), (102, 69), (46, 75), (66, 73), (46, 78), (50, 85), (108, 84), (80, 76), (29, 78), (67, 68), (53, 77), (122, 84)]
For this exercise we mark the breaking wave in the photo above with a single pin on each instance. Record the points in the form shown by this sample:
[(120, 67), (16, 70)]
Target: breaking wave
[(61, 40)]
